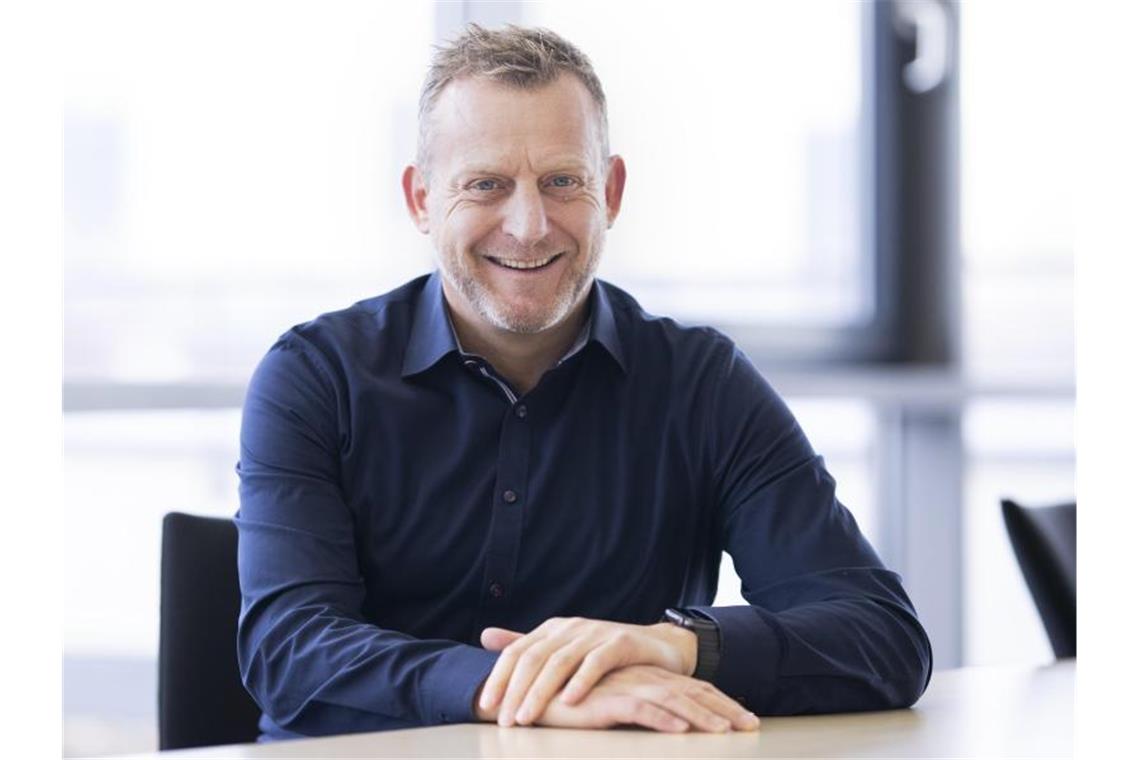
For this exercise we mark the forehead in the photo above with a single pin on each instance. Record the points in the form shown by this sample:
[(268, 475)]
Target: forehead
[(481, 121)]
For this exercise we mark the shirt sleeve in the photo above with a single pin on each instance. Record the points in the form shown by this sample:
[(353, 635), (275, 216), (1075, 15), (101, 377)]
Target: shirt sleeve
[(828, 628), (307, 655)]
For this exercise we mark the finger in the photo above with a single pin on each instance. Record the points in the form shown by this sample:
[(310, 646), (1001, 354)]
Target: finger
[(720, 703), (696, 714), (594, 667), (496, 683), (526, 669), (638, 712), (559, 667), (498, 639)]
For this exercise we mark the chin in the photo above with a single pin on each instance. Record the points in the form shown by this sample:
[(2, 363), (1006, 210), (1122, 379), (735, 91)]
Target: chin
[(524, 323)]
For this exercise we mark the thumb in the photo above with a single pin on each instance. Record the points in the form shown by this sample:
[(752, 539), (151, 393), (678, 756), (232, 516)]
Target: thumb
[(497, 639)]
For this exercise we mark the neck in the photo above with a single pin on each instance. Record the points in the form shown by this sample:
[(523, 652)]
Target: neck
[(521, 358)]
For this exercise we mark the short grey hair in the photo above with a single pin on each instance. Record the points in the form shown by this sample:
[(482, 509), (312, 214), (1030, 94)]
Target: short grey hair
[(523, 57)]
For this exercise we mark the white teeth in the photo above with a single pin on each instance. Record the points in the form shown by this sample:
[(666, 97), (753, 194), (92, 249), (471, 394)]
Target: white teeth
[(526, 264)]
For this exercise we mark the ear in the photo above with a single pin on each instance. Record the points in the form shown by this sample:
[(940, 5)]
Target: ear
[(615, 187), (415, 196)]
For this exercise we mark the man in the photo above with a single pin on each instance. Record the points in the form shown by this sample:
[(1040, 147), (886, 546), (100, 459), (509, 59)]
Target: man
[(502, 492)]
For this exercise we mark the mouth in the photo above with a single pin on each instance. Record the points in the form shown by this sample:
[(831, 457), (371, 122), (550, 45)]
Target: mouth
[(524, 265)]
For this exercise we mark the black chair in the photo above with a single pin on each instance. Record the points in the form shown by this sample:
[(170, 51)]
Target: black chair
[(201, 700), (1045, 543)]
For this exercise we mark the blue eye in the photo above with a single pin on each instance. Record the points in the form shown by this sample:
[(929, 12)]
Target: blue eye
[(486, 185), (562, 180)]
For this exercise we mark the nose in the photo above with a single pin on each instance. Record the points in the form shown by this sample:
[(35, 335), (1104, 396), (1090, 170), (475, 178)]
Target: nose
[(524, 215)]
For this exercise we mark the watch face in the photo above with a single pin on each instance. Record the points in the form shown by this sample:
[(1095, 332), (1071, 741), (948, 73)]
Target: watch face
[(691, 622)]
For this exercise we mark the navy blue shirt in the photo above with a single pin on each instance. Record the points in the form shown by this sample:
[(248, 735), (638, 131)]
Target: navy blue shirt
[(398, 496)]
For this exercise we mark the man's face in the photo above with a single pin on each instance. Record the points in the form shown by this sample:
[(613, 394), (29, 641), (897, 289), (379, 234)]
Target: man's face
[(516, 199)]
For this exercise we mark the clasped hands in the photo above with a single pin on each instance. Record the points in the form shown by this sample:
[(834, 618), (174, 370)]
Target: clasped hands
[(582, 673)]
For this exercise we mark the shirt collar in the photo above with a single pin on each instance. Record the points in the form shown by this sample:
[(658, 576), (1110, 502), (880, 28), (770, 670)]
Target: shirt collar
[(432, 336), (603, 326)]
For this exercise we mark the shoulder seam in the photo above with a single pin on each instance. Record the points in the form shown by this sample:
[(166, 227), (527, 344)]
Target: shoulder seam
[(294, 340)]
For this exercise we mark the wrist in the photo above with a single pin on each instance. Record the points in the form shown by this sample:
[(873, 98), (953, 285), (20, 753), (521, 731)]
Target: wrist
[(707, 632), (684, 644)]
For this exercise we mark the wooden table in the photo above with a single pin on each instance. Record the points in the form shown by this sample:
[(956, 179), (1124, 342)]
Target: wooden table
[(971, 712)]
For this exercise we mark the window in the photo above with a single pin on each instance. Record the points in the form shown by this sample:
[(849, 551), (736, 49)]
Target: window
[(1017, 169), (235, 177)]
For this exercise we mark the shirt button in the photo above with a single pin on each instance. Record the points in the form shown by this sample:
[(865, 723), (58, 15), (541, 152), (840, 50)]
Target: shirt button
[(520, 411), (497, 590), (510, 497)]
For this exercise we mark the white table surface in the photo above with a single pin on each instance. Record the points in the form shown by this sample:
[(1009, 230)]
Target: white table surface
[(970, 712)]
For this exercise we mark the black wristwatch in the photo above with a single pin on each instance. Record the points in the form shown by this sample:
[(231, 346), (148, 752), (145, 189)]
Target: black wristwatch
[(708, 639)]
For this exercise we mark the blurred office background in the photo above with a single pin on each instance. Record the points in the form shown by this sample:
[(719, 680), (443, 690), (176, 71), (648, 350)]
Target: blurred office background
[(871, 198)]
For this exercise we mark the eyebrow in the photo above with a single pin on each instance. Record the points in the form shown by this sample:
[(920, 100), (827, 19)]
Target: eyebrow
[(560, 163)]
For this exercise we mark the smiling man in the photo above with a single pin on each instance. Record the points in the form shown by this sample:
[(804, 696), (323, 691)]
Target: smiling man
[(522, 190), (502, 491)]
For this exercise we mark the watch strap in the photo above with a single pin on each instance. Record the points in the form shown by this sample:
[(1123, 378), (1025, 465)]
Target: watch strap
[(708, 639)]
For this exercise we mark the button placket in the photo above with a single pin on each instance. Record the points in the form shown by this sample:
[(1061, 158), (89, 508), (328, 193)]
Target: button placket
[(507, 505)]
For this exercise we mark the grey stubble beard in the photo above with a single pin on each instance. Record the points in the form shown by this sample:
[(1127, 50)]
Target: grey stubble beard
[(484, 304)]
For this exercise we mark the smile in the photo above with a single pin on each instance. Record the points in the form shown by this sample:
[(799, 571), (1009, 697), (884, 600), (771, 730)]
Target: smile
[(525, 265)]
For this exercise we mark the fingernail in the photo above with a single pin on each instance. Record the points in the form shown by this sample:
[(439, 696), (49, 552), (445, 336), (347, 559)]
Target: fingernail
[(750, 720), (523, 716)]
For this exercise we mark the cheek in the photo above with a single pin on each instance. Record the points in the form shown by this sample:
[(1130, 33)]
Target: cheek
[(580, 221), (466, 227)]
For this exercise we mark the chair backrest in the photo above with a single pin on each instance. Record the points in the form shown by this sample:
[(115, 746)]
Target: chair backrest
[(201, 700), (1045, 542)]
